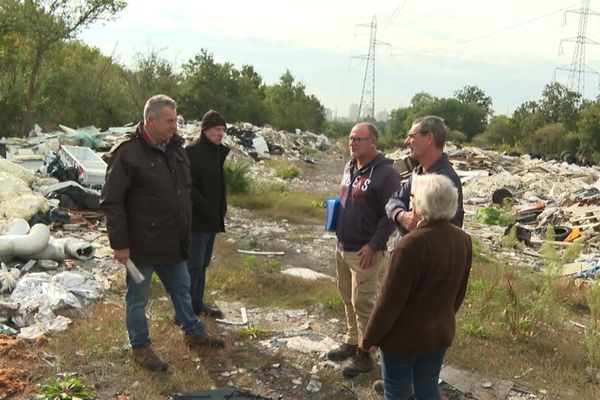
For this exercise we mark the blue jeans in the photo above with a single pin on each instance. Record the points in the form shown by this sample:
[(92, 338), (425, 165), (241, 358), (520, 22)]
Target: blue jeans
[(402, 374), (201, 251), (176, 282)]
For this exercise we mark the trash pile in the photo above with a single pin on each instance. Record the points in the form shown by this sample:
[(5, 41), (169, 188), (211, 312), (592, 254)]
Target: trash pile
[(537, 195)]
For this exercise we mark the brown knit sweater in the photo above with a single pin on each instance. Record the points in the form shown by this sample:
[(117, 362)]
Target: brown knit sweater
[(422, 289)]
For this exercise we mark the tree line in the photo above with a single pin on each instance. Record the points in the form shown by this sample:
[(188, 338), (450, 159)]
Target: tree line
[(49, 77)]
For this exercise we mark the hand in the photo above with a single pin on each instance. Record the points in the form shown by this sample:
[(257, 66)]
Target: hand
[(408, 220), (121, 255), (366, 255)]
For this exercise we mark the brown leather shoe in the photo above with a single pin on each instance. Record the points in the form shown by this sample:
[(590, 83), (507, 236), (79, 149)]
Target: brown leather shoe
[(147, 358), (360, 363), (342, 352), (205, 340)]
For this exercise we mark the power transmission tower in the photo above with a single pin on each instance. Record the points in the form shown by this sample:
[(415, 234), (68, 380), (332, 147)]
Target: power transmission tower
[(577, 69), (366, 107)]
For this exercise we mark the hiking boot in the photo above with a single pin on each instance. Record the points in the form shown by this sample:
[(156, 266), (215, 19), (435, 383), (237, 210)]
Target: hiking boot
[(205, 340), (360, 363), (342, 352), (378, 387), (210, 311), (147, 358)]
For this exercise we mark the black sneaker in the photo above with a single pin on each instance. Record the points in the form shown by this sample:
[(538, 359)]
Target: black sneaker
[(360, 363), (342, 352)]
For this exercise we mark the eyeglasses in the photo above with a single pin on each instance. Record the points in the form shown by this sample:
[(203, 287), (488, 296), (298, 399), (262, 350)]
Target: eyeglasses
[(353, 139)]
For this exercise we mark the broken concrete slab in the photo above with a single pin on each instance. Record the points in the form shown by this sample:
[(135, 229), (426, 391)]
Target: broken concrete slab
[(482, 388)]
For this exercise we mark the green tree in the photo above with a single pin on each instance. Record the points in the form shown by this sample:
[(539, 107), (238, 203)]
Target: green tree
[(42, 25), (238, 95), (80, 86), (473, 94), (289, 107), (152, 74), (500, 131), (553, 139), (560, 104), (588, 130)]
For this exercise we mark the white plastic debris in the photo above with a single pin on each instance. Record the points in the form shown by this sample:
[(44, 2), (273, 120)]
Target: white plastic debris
[(306, 273)]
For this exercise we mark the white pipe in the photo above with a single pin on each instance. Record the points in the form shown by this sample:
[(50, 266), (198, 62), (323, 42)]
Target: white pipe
[(17, 226), (24, 245), (59, 249)]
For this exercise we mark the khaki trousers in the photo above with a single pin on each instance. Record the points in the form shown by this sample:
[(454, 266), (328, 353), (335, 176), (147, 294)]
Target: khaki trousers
[(358, 288)]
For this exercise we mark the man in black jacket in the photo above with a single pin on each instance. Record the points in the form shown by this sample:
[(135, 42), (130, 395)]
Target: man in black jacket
[(207, 155), (146, 200)]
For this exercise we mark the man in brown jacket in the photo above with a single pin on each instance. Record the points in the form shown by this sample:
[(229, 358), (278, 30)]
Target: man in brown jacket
[(146, 200)]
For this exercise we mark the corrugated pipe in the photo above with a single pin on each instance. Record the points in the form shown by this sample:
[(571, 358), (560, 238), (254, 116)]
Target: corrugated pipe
[(23, 245), (59, 249)]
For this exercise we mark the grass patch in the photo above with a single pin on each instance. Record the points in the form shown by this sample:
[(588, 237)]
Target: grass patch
[(252, 332), (296, 207)]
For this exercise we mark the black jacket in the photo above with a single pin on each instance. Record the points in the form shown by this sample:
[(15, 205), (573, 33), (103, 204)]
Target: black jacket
[(209, 199), (146, 200)]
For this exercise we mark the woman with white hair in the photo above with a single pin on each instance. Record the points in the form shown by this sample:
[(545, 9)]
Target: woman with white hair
[(413, 322)]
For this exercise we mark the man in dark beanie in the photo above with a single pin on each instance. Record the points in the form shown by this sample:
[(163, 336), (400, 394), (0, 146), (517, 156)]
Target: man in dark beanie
[(207, 155)]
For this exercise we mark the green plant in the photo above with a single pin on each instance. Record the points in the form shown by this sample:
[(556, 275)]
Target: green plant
[(287, 172), (474, 328), (252, 332), (250, 262), (334, 303), (236, 176), (272, 266), (494, 216), (65, 386)]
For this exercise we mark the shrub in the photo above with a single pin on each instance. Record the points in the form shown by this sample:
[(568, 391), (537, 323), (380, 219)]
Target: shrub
[(236, 176), (287, 172)]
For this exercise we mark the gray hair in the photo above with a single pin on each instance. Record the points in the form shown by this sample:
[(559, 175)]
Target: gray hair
[(436, 126), (156, 103), (434, 197), (373, 132)]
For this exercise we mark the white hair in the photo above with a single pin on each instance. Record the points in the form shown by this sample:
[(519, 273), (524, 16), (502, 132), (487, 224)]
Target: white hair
[(434, 197), (156, 103)]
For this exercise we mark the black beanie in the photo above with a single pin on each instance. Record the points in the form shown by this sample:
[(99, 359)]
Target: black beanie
[(211, 119)]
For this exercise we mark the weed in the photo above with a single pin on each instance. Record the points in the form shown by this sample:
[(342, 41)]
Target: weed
[(236, 176), (252, 332), (272, 266), (287, 172), (65, 386), (250, 262), (334, 303), (494, 216), (474, 328)]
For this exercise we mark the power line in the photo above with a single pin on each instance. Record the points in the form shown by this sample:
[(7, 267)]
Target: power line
[(577, 69)]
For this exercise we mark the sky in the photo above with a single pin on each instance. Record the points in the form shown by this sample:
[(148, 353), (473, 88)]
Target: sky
[(508, 48)]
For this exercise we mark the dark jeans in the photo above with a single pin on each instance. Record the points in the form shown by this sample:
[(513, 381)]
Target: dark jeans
[(403, 374), (200, 254), (176, 281)]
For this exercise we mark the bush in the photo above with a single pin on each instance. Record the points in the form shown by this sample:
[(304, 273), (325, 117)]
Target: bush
[(287, 172), (236, 176), (456, 136)]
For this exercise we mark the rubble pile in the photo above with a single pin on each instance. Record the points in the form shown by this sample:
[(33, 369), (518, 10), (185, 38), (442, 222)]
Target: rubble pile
[(540, 194)]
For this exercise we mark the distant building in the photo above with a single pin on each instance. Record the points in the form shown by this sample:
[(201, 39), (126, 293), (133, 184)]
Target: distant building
[(353, 112), (328, 114)]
